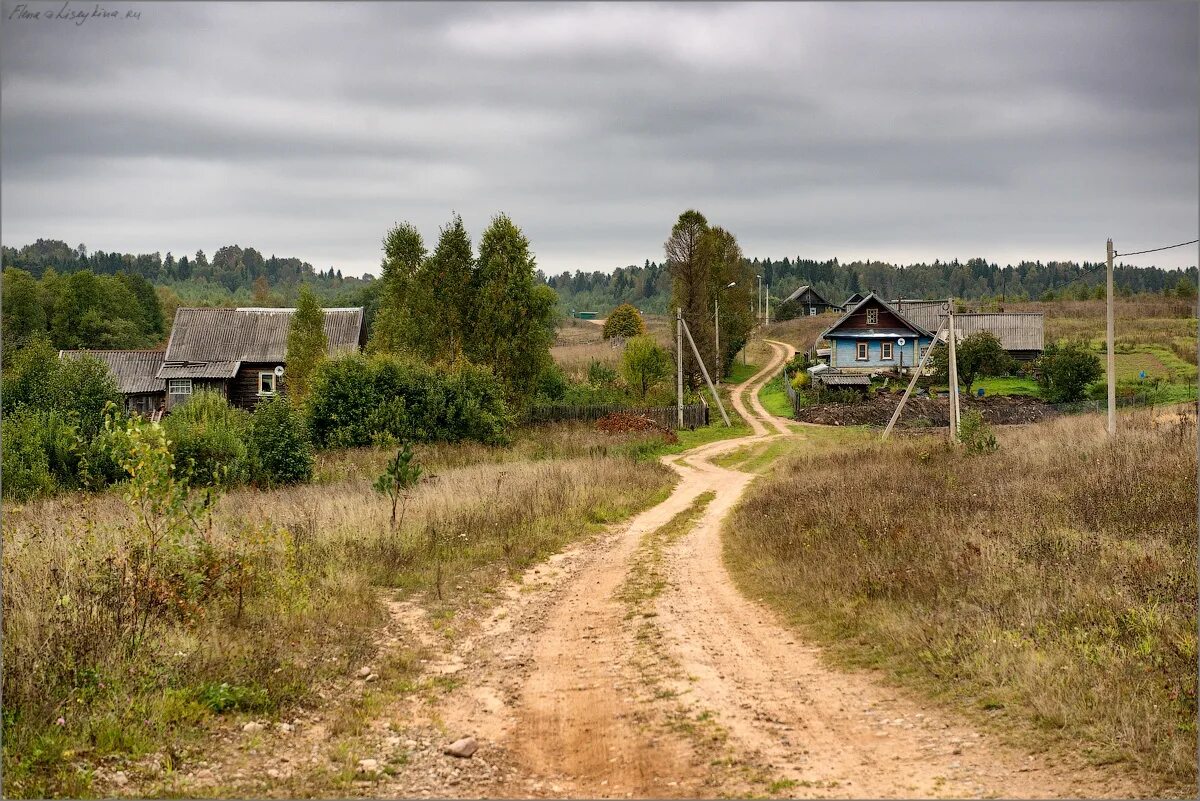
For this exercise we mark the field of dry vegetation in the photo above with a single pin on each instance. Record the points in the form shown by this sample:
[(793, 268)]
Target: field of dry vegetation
[(270, 594), (1049, 587)]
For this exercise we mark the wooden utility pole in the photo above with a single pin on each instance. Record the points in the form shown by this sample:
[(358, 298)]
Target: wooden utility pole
[(913, 382), (1112, 355), (717, 335), (953, 358), (768, 304), (703, 371), (679, 362)]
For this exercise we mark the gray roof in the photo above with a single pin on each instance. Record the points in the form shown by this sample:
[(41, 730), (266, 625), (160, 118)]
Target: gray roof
[(925, 313), (807, 288), (835, 379), (135, 370), (212, 343)]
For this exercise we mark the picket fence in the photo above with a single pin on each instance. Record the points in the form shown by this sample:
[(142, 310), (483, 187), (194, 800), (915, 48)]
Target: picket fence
[(695, 415)]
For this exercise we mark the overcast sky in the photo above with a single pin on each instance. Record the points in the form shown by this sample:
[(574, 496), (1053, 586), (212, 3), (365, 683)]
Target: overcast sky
[(898, 132)]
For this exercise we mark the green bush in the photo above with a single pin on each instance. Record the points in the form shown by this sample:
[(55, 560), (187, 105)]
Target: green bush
[(600, 374), (624, 321), (25, 463), (208, 439), (1064, 372), (552, 384), (280, 450), (975, 434), (365, 400)]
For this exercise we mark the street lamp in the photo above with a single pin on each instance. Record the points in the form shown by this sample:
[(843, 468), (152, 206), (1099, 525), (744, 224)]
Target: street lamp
[(717, 322)]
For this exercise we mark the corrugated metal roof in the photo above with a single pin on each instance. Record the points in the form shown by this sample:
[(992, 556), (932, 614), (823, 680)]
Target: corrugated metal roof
[(211, 343), (925, 313), (833, 379), (135, 370)]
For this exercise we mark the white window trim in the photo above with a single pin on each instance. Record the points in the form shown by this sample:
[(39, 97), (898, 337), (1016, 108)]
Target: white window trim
[(885, 352), (179, 386), (812, 311), (274, 385), (862, 351), (872, 316)]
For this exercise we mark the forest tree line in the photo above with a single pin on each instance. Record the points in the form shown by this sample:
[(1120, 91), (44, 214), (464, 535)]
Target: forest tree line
[(649, 286)]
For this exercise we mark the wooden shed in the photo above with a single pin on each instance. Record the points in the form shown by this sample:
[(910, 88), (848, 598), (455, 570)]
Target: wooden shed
[(242, 352)]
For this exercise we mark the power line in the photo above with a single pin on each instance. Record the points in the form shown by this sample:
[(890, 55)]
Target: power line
[(1153, 250)]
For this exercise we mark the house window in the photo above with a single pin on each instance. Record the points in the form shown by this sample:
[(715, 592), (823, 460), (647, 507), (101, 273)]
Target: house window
[(266, 383), (872, 316), (861, 355), (812, 311), (179, 386), (885, 351)]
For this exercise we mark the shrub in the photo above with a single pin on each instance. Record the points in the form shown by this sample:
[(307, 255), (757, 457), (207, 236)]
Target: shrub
[(25, 462), (644, 364), (975, 434), (280, 450), (359, 400), (624, 321), (1064, 371), (600, 374), (208, 440), (552, 384)]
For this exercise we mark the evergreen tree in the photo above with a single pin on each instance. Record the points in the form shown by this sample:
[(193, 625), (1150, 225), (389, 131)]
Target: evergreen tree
[(443, 295)]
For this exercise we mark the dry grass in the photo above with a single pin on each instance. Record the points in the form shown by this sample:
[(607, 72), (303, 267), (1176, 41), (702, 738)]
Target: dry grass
[(1051, 585), (305, 608), (574, 359), (801, 332)]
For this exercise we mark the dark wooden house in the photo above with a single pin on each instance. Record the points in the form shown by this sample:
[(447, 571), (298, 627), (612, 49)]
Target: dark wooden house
[(136, 373), (804, 302), (241, 353)]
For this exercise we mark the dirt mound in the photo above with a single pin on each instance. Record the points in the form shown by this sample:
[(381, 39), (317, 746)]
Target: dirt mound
[(625, 423), (925, 412)]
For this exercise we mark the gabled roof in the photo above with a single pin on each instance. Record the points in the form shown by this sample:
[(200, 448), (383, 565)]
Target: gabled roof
[(855, 298), (1015, 330), (806, 288), (212, 343), (871, 332), (135, 370), (925, 313)]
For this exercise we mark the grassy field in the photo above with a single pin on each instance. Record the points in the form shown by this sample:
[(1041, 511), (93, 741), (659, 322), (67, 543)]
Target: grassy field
[(774, 398), (274, 593), (1049, 588)]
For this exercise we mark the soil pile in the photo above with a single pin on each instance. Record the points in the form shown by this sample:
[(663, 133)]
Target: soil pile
[(624, 423), (926, 412)]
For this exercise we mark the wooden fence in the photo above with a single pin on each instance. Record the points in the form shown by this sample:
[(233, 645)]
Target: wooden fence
[(694, 414)]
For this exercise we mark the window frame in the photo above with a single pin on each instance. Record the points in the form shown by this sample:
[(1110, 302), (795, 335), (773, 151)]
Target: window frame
[(872, 316), (274, 384), (862, 351), (888, 355), (812, 311), (174, 383)]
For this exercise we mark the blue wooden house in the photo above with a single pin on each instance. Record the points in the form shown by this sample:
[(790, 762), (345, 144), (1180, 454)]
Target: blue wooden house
[(872, 337)]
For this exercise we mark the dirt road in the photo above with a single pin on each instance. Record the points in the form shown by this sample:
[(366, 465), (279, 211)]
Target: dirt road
[(631, 666)]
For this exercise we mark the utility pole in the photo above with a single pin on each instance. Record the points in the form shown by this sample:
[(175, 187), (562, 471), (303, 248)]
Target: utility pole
[(758, 311), (913, 381), (1112, 356), (953, 357), (768, 295), (679, 362), (717, 335), (704, 372)]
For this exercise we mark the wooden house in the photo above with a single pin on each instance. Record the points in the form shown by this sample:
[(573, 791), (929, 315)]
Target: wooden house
[(804, 302), (873, 337), (242, 352), (136, 374), (852, 300)]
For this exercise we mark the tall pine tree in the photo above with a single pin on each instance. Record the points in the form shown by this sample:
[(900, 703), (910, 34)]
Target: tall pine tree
[(307, 344)]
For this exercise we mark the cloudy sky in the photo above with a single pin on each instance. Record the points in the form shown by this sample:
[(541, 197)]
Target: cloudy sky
[(899, 132)]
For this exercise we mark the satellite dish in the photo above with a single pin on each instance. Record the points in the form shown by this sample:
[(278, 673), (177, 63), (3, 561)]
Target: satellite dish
[(279, 371), (900, 342)]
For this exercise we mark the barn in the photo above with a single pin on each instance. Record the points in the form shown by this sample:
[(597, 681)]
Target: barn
[(242, 352)]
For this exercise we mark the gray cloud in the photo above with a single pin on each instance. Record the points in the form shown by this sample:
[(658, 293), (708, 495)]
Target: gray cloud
[(888, 131)]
